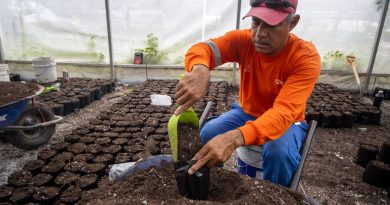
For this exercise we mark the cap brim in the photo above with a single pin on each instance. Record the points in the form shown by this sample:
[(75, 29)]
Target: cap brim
[(269, 16)]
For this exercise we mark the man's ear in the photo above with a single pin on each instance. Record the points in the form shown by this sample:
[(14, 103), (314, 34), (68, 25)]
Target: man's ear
[(294, 21)]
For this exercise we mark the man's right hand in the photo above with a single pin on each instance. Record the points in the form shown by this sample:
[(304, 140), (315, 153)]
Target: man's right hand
[(192, 87)]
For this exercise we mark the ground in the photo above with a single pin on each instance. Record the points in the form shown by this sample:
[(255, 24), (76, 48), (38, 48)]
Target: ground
[(330, 175)]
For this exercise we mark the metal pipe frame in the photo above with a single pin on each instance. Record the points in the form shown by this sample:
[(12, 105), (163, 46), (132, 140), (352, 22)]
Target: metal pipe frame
[(376, 44), (237, 27), (107, 3), (238, 14), (1, 53)]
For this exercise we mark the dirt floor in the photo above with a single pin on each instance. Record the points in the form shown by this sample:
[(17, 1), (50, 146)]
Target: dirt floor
[(330, 174), (158, 186), (13, 158)]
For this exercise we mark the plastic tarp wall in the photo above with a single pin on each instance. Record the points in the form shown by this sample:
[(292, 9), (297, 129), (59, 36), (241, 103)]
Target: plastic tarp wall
[(76, 30)]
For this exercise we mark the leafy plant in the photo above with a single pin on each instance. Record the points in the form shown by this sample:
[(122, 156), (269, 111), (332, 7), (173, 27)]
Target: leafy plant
[(334, 59), (101, 57), (152, 53)]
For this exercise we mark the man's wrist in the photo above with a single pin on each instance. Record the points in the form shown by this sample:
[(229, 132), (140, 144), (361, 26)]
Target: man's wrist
[(238, 138), (201, 68)]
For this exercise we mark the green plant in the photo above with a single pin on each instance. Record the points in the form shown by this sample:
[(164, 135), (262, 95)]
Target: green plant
[(152, 54), (101, 57), (334, 59)]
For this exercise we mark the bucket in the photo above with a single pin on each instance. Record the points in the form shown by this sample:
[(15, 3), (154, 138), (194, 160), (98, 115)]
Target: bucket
[(250, 161), (4, 72), (45, 69)]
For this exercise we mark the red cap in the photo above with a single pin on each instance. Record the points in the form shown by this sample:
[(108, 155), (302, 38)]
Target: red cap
[(272, 16)]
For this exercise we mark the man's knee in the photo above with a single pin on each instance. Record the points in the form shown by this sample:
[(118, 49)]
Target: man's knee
[(207, 133), (275, 152)]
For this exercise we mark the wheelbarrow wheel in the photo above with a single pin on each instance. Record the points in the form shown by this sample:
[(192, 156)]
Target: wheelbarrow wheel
[(30, 139)]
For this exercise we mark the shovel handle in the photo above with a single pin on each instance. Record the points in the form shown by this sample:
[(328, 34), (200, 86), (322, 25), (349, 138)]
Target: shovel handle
[(356, 74), (205, 114)]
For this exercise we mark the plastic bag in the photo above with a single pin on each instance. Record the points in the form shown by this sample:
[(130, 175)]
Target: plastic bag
[(161, 100), (117, 170)]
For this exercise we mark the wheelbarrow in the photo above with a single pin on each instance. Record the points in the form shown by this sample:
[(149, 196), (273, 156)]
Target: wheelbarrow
[(26, 123)]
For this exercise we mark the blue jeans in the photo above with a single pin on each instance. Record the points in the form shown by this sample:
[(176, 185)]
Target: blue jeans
[(281, 157)]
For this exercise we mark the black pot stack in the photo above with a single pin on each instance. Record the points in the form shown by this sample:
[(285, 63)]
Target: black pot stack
[(76, 94), (334, 108), (376, 162)]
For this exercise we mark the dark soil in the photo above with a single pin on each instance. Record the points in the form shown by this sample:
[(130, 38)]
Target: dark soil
[(22, 195), (5, 192), (159, 187), (19, 178), (188, 141), (71, 195), (331, 174), (66, 178), (41, 180), (88, 181), (34, 166), (94, 168), (54, 167), (14, 91), (46, 194)]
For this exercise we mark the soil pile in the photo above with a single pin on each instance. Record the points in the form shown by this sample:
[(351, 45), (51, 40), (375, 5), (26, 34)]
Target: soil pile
[(189, 141), (158, 186), (14, 91)]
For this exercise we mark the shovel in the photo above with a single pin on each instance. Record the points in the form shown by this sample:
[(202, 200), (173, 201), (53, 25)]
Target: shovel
[(187, 117), (194, 186), (351, 60)]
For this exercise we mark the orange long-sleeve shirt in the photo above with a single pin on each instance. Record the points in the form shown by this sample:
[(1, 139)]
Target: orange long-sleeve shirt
[(274, 89)]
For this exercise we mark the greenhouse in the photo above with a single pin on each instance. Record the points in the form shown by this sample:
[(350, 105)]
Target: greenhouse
[(194, 102)]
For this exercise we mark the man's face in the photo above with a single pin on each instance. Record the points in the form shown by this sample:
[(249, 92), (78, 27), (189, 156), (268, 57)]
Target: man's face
[(269, 39)]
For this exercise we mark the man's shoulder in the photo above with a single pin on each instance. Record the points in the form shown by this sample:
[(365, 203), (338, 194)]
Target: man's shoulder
[(303, 45)]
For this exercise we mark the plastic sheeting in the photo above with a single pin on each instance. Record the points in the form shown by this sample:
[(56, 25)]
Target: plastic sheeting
[(75, 30)]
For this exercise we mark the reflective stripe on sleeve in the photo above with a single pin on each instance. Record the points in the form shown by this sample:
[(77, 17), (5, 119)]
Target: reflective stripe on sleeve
[(216, 53)]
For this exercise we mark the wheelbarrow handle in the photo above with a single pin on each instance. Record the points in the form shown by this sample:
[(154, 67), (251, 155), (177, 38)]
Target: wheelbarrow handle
[(39, 125)]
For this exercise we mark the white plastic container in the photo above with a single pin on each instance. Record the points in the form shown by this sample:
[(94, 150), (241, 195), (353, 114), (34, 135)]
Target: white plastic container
[(4, 72), (252, 160), (45, 69)]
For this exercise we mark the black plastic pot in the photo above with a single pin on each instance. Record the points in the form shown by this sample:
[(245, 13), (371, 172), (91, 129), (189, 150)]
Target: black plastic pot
[(327, 119), (377, 173), (375, 116), (67, 106), (364, 116), (337, 119), (81, 100), (195, 186), (109, 87), (347, 119), (75, 104), (384, 153), (366, 153), (315, 115), (87, 98), (92, 96), (58, 109), (98, 93), (103, 89)]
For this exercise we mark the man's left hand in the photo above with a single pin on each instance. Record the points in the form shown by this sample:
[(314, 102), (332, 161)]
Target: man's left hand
[(217, 150)]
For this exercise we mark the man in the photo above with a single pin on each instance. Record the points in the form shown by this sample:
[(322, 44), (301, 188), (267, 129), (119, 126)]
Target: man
[(277, 75)]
